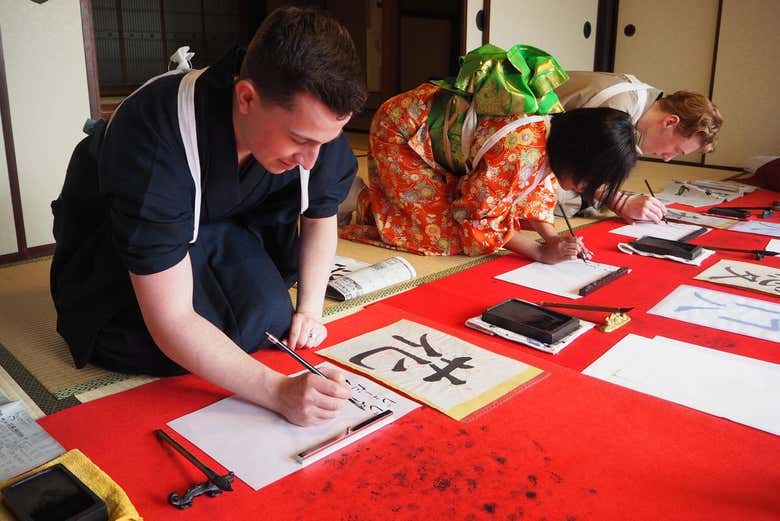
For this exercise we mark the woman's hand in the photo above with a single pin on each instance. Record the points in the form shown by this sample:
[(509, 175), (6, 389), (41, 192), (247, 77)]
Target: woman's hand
[(640, 207), (305, 331), (562, 249)]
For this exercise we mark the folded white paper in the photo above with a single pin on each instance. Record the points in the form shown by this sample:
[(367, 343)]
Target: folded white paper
[(730, 386)]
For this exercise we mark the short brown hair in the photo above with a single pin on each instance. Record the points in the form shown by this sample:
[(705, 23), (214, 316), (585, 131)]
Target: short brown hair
[(305, 50), (698, 115)]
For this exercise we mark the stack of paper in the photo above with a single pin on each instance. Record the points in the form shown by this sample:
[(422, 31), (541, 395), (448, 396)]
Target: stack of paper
[(735, 387)]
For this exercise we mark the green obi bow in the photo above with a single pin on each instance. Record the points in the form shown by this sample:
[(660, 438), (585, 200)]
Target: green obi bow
[(491, 82)]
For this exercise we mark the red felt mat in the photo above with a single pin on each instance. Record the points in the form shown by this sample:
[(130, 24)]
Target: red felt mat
[(569, 448), (452, 300)]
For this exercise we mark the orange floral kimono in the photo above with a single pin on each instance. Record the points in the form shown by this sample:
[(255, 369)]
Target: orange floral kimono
[(414, 204)]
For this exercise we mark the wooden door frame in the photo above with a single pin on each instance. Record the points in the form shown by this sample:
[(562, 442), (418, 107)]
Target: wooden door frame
[(10, 158), (90, 57)]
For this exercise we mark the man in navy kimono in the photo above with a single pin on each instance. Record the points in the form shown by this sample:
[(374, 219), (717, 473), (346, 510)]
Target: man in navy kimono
[(183, 223)]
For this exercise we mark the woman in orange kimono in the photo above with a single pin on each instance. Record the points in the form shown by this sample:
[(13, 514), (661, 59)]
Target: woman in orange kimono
[(416, 203)]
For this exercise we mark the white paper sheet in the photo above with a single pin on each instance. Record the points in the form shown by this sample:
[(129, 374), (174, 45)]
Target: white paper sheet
[(773, 245), (699, 219), (564, 279), (735, 387), (724, 311), (260, 446), (756, 277), (24, 445), (757, 227), (450, 375), (662, 230)]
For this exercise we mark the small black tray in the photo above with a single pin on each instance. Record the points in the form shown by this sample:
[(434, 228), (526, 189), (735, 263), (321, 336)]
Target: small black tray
[(736, 213), (53, 494), (658, 246), (530, 320)]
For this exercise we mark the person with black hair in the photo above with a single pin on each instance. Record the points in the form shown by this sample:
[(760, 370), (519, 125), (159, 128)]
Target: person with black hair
[(177, 228), (510, 177)]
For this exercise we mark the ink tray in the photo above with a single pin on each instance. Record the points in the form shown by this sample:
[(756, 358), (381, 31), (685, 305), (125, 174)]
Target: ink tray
[(658, 246), (53, 494), (524, 318)]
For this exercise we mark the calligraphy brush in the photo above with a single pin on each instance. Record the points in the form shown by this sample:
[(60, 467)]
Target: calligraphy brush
[(759, 254), (652, 194), (284, 347), (581, 255), (774, 206)]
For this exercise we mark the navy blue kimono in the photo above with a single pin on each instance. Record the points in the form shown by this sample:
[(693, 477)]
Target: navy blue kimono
[(128, 205)]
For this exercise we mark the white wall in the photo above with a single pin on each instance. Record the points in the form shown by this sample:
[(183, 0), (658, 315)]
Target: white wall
[(46, 73), (673, 45), (473, 35), (554, 26), (745, 88)]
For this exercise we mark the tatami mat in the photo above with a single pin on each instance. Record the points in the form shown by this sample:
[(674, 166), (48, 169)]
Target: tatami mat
[(11, 391), (27, 329)]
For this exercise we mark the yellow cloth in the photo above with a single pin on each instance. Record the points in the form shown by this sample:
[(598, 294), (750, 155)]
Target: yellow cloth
[(119, 506)]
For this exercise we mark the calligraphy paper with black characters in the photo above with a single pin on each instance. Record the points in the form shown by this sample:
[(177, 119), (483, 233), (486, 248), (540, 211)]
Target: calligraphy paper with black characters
[(724, 311), (699, 218), (743, 275), (757, 227), (344, 266), (450, 375), (689, 194)]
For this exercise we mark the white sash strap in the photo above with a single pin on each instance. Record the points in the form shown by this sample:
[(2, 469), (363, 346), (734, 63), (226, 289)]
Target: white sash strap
[(189, 137), (147, 82), (188, 128), (500, 134), (304, 188), (181, 58), (632, 85), (469, 128), (185, 104)]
